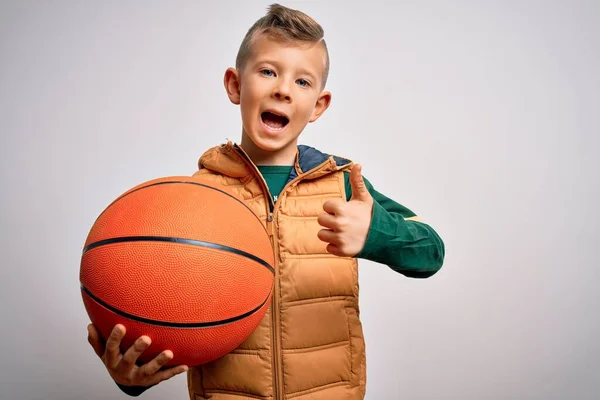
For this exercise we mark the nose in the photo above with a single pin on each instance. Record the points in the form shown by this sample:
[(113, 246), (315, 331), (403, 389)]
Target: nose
[(282, 91)]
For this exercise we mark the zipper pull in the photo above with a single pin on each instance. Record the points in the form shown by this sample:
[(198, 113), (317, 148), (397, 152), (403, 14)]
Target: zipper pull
[(270, 224)]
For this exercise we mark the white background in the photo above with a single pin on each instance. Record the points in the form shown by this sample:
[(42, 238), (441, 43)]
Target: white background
[(481, 116)]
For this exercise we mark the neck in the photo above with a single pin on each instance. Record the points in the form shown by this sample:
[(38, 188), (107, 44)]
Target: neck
[(283, 156)]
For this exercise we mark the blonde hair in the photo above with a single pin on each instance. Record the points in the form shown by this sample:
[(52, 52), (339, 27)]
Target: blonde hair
[(287, 25)]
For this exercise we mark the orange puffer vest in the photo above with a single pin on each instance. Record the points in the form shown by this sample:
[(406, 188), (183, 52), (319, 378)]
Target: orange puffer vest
[(310, 343)]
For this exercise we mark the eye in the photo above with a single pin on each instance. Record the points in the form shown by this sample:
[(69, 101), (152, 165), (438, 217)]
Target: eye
[(267, 72), (303, 82)]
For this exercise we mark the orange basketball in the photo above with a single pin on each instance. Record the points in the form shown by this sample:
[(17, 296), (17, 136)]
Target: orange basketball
[(183, 261)]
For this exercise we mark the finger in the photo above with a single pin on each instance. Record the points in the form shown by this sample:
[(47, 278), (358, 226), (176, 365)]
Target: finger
[(327, 236), (168, 374), (327, 221), (134, 352), (335, 250), (156, 364), (113, 352), (95, 340), (334, 206), (357, 182)]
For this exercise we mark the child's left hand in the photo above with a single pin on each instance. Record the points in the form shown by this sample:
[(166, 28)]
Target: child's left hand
[(347, 222)]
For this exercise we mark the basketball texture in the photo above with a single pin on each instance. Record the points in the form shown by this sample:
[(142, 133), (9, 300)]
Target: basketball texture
[(183, 261)]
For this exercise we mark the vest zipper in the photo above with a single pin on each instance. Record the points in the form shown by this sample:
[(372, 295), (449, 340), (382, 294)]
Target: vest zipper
[(277, 379), (272, 229), (275, 340)]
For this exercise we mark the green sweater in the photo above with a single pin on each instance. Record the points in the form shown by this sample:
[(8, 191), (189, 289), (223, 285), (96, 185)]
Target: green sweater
[(411, 248)]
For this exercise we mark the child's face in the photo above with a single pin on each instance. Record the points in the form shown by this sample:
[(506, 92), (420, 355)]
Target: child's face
[(281, 79)]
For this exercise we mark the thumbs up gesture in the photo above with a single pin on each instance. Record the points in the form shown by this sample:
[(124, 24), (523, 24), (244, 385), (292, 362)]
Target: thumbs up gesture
[(347, 222)]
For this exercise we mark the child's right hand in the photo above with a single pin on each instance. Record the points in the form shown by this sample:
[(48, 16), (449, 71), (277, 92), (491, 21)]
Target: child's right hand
[(122, 367)]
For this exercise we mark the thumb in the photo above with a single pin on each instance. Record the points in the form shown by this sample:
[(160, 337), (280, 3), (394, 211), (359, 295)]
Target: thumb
[(359, 189)]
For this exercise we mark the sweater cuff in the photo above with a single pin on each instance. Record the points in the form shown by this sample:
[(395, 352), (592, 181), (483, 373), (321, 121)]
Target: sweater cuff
[(133, 391), (383, 228)]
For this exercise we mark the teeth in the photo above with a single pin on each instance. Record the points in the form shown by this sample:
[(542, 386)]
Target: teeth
[(273, 128)]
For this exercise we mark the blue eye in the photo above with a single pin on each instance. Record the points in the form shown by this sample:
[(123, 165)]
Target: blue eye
[(267, 72), (303, 82)]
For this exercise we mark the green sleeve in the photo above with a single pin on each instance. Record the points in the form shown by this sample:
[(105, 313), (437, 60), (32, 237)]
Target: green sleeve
[(409, 247)]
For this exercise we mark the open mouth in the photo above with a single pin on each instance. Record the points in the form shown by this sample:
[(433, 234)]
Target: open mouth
[(274, 121)]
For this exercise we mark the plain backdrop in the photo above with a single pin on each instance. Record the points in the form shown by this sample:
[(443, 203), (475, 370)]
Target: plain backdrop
[(481, 116)]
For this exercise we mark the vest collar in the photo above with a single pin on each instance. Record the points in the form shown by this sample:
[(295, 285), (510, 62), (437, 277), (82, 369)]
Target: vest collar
[(316, 163), (231, 160)]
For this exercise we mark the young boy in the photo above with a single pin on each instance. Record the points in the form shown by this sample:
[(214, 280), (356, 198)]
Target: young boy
[(322, 215)]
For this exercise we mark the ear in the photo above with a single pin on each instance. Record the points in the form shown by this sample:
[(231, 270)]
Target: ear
[(232, 85), (320, 106)]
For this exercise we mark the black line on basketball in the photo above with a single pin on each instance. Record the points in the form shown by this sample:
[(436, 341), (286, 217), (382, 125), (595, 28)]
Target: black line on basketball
[(192, 242), (172, 324)]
